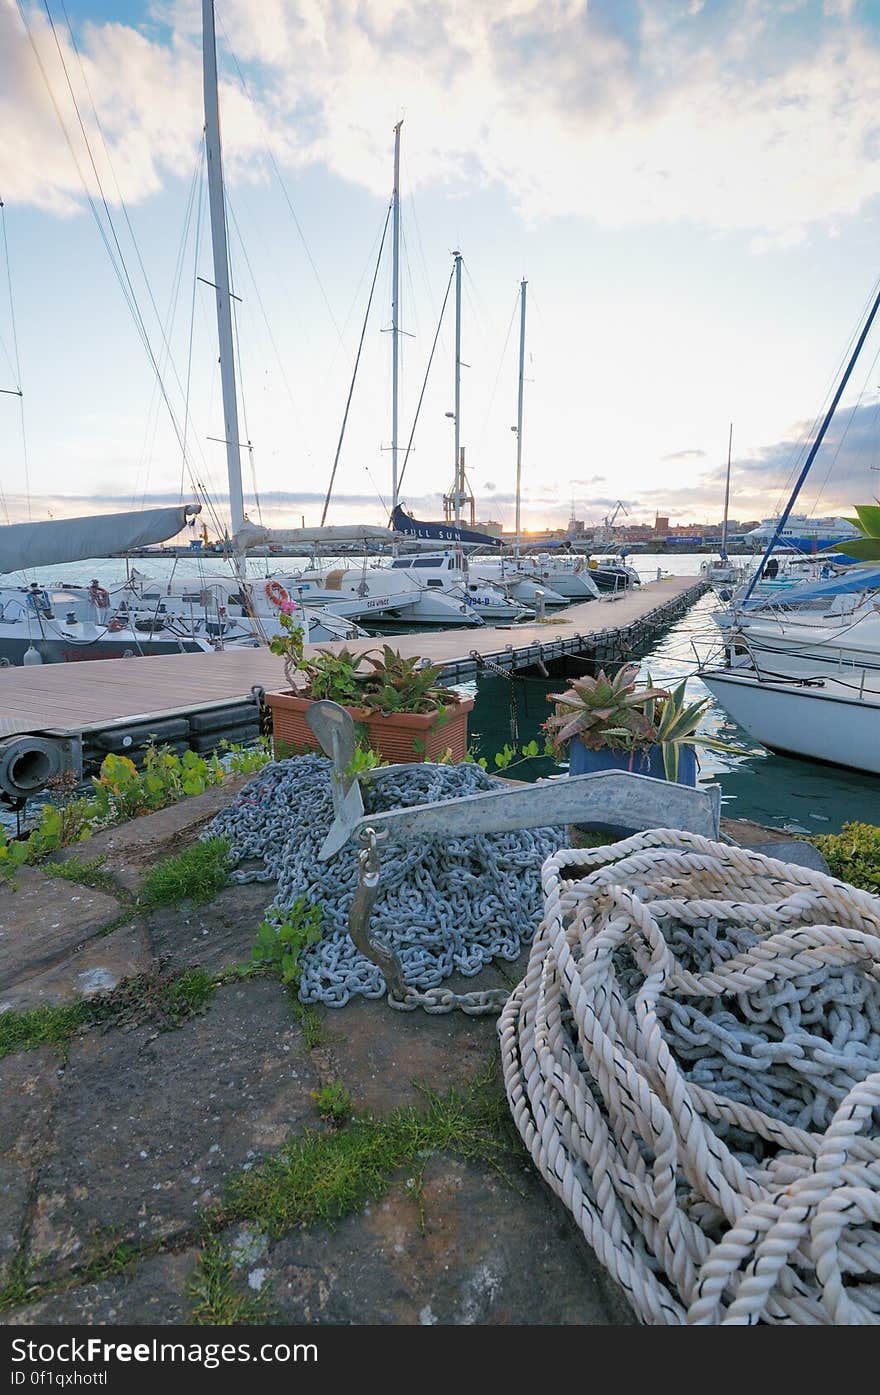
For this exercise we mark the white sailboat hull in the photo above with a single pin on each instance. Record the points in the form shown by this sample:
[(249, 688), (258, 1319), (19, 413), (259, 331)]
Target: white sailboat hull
[(831, 723)]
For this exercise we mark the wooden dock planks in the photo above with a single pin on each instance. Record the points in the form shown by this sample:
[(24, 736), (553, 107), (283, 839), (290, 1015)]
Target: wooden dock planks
[(74, 698)]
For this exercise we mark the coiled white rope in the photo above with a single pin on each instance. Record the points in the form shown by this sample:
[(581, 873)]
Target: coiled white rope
[(693, 1062)]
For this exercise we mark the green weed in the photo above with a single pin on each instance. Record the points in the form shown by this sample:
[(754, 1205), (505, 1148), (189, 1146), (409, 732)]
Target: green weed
[(42, 1026), (167, 1000), (322, 1177), (196, 875), (84, 873), (215, 1300), (853, 855), (333, 1103), (280, 943)]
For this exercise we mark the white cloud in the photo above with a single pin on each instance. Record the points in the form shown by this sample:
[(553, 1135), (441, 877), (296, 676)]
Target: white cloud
[(715, 116)]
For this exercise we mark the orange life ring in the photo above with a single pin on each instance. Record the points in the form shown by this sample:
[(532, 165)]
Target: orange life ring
[(276, 592)]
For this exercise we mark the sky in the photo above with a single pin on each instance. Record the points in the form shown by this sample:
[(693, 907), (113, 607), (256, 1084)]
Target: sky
[(690, 188)]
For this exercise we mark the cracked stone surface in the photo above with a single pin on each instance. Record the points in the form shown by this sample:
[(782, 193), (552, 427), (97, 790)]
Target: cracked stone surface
[(384, 1068), (98, 967), (29, 1088), (44, 921), (216, 935), (151, 1292), (486, 1254), (130, 849), (150, 1124)]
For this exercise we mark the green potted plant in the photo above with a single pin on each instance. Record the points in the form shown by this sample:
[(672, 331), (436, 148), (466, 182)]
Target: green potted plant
[(610, 723), (398, 704)]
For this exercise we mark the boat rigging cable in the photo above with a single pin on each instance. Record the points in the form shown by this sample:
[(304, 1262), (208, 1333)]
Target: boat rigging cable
[(117, 259), (425, 381), (815, 446), (355, 369), (16, 368), (277, 172), (809, 431)]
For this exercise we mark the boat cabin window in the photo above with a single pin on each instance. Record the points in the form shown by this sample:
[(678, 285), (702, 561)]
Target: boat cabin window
[(435, 581)]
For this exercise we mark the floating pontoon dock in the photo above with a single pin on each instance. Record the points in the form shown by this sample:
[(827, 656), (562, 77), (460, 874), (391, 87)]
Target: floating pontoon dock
[(111, 704)]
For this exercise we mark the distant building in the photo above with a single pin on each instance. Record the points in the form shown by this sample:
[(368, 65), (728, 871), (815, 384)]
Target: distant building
[(661, 524)]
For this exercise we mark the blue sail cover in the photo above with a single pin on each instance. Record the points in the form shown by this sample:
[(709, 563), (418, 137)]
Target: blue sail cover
[(856, 579), (403, 522)]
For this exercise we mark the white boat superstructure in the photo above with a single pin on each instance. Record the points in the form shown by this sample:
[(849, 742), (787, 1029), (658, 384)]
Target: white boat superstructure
[(829, 718), (521, 580), (233, 610), (569, 577), (48, 625), (449, 574), (828, 626), (430, 589)]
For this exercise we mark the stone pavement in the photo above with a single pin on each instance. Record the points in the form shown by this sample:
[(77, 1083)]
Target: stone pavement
[(116, 1145), (118, 1142)]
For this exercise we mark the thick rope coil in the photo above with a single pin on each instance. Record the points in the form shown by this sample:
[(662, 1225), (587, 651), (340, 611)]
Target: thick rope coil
[(693, 1062)]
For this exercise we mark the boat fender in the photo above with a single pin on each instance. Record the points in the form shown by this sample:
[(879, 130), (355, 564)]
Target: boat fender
[(276, 593)]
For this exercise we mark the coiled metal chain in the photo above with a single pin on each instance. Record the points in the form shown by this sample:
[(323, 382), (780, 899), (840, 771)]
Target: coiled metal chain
[(441, 907)]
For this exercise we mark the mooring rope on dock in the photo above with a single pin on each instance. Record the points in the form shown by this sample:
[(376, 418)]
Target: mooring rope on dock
[(444, 908), (692, 1062)]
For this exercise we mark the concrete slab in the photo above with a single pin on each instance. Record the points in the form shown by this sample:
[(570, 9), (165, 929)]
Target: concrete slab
[(382, 1056), (151, 1124), (213, 936)]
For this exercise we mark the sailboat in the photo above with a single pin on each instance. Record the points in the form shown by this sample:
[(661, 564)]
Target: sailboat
[(540, 580), (806, 681), (62, 624), (434, 588), (720, 570), (244, 611)]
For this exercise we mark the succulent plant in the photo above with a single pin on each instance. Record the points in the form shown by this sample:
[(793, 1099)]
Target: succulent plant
[(604, 712), (614, 713)]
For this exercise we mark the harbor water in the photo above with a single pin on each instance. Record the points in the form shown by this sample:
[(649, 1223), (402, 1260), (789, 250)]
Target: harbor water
[(793, 795)]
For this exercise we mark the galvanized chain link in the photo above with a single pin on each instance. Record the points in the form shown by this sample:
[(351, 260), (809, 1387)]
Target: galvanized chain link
[(443, 908)]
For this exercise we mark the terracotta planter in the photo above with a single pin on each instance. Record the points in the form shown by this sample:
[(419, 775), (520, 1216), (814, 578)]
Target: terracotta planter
[(392, 735)]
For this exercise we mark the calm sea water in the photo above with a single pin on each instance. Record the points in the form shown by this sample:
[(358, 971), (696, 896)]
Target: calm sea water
[(794, 795)]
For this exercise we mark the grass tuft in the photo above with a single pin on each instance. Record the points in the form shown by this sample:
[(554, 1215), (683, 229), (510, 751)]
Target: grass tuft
[(42, 1026), (166, 1000), (196, 875), (215, 1300), (321, 1177), (84, 873)]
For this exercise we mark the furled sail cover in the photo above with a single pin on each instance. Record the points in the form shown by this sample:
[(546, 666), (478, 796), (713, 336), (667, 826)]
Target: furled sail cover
[(26, 545), (250, 535), (403, 522)]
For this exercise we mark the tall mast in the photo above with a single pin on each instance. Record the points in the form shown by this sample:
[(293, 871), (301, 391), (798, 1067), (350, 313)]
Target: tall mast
[(519, 406), (820, 436), (726, 498), (395, 310), (459, 485), (221, 266)]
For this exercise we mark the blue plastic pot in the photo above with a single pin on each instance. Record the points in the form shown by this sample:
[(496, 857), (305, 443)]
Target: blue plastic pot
[(584, 761)]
